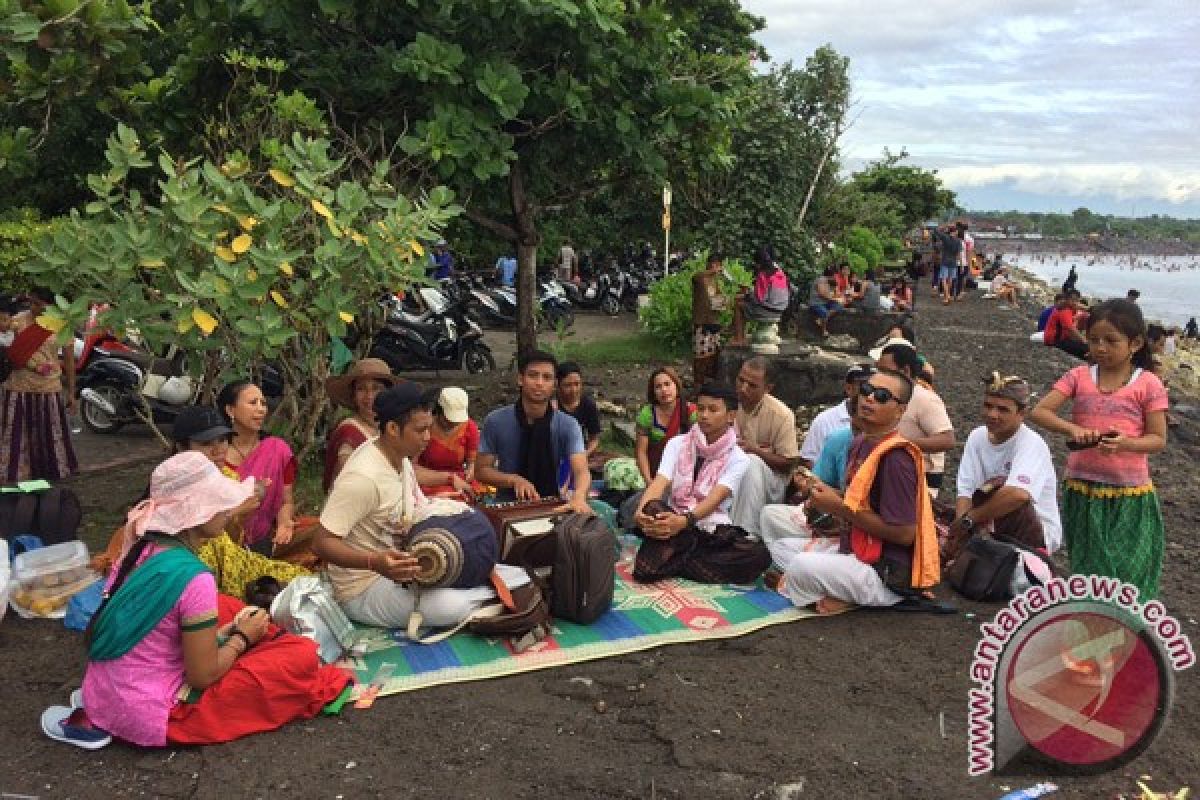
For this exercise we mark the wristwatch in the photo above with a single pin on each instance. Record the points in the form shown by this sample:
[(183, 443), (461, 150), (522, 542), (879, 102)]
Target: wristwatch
[(691, 519)]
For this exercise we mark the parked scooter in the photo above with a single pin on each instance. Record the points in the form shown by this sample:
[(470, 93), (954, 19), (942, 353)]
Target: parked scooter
[(114, 383), (600, 292), (443, 336)]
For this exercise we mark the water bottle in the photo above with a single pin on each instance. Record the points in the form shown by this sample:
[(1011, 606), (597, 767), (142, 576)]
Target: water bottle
[(1038, 790)]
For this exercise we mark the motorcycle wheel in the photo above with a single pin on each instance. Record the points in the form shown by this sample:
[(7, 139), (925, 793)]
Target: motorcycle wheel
[(96, 419), (477, 359), (610, 305), (568, 318)]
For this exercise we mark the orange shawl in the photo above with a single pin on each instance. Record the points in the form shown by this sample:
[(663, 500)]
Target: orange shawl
[(926, 563)]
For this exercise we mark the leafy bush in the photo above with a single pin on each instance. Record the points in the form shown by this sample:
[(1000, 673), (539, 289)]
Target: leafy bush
[(669, 314), (865, 244), (18, 230)]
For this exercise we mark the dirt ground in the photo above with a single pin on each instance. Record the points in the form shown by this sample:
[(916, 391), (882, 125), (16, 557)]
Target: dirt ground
[(849, 706)]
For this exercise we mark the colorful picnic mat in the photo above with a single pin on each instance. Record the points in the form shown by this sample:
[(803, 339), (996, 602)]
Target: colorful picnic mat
[(643, 616)]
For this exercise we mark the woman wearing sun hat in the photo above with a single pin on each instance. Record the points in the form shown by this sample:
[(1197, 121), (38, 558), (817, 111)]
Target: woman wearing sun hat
[(355, 390), (161, 669)]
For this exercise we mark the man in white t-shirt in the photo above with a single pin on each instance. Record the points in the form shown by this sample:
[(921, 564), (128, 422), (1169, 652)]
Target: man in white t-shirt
[(374, 498), (1006, 479), (835, 418)]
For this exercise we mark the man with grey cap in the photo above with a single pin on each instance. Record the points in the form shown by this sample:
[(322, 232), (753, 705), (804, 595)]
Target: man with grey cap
[(1006, 479)]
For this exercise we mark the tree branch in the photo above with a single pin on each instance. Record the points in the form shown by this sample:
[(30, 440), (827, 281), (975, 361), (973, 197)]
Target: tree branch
[(506, 232)]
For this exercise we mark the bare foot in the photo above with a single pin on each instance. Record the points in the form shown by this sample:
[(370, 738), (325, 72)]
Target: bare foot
[(831, 605), (772, 578)]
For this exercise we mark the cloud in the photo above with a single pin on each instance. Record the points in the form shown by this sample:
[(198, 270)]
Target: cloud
[(1090, 99)]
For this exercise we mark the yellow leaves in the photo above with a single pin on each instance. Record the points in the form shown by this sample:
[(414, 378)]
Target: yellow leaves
[(358, 238), (286, 269), (415, 246), (251, 274), (242, 243), (52, 324), (225, 254), (279, 299), (346, 316), (184, 325), (205, 321), (248, 223), (282, 178), (152, 263), (321, 208), (224, 209), (333, 228)]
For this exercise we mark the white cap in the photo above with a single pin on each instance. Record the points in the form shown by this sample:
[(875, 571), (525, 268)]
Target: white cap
[(878, 351), (453, 402)]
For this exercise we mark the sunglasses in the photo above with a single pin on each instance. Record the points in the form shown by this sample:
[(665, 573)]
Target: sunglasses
[(876, 393)]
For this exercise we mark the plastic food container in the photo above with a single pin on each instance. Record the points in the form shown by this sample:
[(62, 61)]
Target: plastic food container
[(46, 578)]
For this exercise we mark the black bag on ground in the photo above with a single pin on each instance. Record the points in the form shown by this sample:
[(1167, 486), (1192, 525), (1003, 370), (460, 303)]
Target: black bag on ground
[(53, 515), (580, 552), (984, 569)]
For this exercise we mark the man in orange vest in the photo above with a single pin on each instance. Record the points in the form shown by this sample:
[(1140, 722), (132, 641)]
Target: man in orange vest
[(891, 550)]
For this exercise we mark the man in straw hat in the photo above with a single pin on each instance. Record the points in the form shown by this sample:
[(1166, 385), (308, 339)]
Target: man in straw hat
[(375, 498), (1006, 479)]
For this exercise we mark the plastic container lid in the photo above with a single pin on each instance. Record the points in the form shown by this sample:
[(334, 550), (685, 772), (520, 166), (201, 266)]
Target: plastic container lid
[(51, 566)]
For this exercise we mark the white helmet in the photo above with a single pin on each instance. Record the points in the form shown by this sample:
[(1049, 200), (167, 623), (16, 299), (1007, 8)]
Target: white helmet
[(176, 390)]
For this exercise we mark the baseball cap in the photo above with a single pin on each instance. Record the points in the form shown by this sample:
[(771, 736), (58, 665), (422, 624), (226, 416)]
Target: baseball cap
[(859, 372), (453, 402), (393, 403), (199, 424)]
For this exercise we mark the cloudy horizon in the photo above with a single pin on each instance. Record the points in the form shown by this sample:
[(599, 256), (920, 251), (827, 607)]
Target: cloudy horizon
[(1042, 105)]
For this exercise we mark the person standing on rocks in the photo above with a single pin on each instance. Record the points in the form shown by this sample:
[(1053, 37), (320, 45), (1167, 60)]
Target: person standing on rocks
[(925, 422), (947, 273), (707, 304), (1006, 479), (767, 434)]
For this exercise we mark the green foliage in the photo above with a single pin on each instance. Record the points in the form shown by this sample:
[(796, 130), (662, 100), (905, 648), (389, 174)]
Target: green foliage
[(669, 313), (635, 348), (19, 228), (240, 263), (1083, 222), (913, 194), (861, 247)]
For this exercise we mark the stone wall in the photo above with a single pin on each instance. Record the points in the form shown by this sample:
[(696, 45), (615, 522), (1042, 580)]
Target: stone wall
[(866, 328), (804, 375)]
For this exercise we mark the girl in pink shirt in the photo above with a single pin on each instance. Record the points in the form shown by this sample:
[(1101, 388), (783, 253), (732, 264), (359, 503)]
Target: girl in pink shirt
[(1111, 516)]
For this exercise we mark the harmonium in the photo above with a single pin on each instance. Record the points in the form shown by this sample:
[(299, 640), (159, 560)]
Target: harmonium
[(525, 521)]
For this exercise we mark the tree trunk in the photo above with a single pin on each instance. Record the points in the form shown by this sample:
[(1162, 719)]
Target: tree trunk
[(527, 243), (812, 188)]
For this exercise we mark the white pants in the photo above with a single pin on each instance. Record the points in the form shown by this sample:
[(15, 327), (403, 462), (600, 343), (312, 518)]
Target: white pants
[(760, 486), (784, 529), (387, 604), (812, 576)]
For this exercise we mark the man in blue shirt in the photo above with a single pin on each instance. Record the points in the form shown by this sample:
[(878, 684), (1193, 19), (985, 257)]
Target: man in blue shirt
[(523, 444), (506, 270), (443, 261)]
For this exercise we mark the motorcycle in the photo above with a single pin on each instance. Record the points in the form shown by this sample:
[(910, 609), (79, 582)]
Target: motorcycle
[(443, 336), (554, 304), (599, 293), (118, 385)]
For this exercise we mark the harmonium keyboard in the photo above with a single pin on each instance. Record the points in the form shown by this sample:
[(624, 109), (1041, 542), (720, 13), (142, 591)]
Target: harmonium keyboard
[(520, 519)]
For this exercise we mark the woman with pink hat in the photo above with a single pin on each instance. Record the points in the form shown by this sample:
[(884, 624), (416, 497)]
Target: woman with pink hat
[(161, 667)]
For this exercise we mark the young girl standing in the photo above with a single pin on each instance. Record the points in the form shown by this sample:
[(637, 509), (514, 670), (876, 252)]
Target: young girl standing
[(1111, 516)]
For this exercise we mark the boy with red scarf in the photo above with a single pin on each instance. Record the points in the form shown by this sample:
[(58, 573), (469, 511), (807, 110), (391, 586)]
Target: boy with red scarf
[(892, 546)]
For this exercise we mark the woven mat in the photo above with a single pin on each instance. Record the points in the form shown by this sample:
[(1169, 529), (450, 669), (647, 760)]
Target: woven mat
[(643, 616)]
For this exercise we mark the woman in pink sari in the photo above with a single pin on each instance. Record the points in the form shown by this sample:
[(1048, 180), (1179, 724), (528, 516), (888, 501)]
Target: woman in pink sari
[(355, 390), (270, 528)]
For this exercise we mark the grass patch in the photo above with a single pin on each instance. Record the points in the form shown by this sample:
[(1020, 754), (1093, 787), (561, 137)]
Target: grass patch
[(632, 348)]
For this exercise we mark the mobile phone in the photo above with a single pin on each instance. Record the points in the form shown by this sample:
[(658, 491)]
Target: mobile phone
[(1073, 445)]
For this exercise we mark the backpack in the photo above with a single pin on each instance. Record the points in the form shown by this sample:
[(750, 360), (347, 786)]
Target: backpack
[(52, 514), (306, 608), (779, 294), (525, 621), (994, 569), (581, 552)]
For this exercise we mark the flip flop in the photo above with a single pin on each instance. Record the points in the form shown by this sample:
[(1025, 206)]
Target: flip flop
[(917, 605), (71, 726)]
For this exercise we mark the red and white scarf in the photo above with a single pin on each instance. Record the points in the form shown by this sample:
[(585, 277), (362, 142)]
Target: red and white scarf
[(686, 491)]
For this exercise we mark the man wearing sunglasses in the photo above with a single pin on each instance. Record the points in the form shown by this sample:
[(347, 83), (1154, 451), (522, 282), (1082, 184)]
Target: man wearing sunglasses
[(892, 545), (1006, 479)]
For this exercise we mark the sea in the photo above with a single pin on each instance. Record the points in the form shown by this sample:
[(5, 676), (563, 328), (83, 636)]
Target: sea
[(1170, 285)]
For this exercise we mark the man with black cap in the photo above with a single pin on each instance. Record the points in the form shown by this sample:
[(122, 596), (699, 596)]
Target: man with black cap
[(202, 428), (1006, 479), (376, 497), (835, 418)]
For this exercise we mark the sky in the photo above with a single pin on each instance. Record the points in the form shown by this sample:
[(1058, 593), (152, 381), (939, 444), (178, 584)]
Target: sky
[(1037, 105)]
